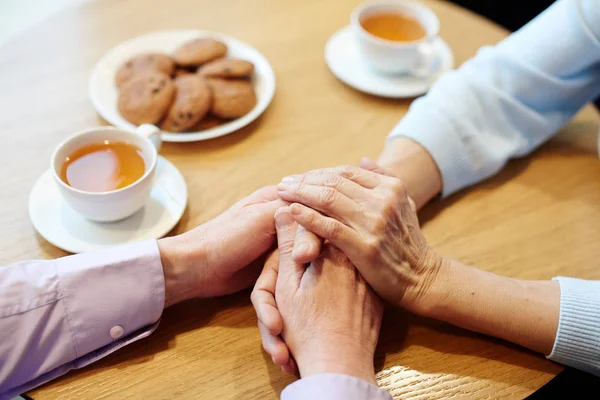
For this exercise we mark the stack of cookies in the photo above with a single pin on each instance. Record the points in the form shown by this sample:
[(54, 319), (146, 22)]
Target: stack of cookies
[(194, 88)]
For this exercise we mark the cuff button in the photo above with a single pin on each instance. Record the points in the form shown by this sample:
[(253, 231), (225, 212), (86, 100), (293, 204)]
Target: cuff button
[(116, 332)]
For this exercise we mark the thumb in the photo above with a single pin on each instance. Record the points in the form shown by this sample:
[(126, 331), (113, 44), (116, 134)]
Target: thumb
[(290, 271), (370, 165)]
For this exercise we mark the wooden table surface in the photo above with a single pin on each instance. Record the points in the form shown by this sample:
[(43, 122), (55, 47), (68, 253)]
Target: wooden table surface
[(537, 219)]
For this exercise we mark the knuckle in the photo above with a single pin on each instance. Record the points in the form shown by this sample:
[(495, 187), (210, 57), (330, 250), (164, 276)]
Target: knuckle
[(333, 228), (300, 178), (286, 247), (312, 218), (257, 297), (333, 181), (398, 188), (299, 187), (327, 196), (347, 171)]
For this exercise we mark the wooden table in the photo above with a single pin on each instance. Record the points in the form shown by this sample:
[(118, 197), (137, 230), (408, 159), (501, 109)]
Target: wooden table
[(537, 219)]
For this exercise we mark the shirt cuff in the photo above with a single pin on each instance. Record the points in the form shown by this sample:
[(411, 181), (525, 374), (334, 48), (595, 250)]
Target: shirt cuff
[(436, 133), (577, 341), (110, 295), (333, 387)]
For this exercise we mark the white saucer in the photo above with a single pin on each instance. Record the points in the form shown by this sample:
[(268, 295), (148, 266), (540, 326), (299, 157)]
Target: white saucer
[(104, 93), (65, 228), (343, 58)]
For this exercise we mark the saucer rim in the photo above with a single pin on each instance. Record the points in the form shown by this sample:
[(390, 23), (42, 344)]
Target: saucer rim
[(47, 174)]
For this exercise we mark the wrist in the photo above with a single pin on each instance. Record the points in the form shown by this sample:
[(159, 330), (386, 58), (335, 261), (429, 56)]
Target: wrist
[(423, 292), (437, 300), (485, 302), (340, 361), (412, 163), (176, 270)]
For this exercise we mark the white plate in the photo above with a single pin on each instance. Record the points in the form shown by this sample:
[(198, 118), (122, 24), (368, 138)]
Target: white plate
[(104, 93), (60, 225), (343, 58)]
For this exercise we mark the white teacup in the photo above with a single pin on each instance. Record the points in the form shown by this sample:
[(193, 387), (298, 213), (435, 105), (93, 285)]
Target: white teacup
[(416, 58), (116, 204)]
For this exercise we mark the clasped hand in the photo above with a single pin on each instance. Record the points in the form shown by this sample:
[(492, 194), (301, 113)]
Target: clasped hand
[(317, 310), (367, 214)]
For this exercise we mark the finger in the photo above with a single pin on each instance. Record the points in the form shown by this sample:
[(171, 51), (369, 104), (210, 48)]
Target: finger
[(290, 368), (274, 346), (290, 271), (370, 165), (262, 195), (361, 176), (325, 199), (342, 236), (307, 246), (267, 313), (263, 295), (348, 188)]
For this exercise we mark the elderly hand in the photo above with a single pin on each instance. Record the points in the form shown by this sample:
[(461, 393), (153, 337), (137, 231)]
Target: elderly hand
[(330, 317), (370, 217), (307, 247)]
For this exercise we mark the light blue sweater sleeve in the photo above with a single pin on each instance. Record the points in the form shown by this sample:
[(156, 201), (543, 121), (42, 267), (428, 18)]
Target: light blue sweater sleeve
[(504, 103), (577, 341), (509, 98)]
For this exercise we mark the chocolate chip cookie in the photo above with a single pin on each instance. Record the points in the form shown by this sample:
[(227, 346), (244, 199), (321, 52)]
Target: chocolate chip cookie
[(145, 99), (227, 68), (142, 63), (232, 98), (199, 51), (192, 102)]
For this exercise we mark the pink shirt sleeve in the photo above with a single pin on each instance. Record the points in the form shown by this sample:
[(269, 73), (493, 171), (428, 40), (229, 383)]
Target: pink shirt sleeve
[(333, 387), (63, 314)]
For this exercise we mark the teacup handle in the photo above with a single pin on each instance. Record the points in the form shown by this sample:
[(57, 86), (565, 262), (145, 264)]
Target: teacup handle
[(430, 60), (150, 132)]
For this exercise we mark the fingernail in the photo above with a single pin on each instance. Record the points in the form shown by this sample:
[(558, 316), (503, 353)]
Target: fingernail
[(301, 249), (282, 186), (283, 220), (287, 179), (296, 209)]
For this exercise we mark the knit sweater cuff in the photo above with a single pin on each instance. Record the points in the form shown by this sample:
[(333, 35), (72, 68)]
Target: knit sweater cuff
[(437, 135), (577, 341)]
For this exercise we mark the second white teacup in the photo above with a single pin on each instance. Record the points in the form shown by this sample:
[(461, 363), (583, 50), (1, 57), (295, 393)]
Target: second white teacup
[(116, 204), (416, 57)]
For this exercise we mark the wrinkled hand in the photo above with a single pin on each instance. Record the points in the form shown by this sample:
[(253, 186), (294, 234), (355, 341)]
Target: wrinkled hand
[(216, 258), (370, 217), (307, 247), (330, 317)]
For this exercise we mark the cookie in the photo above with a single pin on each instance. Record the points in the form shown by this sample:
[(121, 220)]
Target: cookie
[(183, 71), (232, 98), (192, 102), (227, 68), (145, 99), (199, 51), (142, 63)]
